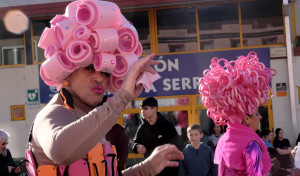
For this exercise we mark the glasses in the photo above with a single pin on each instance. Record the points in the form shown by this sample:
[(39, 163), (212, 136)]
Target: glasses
[(5, 143)]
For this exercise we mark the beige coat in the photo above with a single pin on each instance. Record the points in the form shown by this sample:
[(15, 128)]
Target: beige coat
[(61, 136)]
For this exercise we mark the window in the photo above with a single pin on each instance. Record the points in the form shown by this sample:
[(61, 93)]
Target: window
[(207, 45), (38, 26), (12, 47), (163, 102), (176, 26), (236, 43), (269, 40), (35, 49), (176, 47), (262, 20), (218, 24), (140, 20), (13, 55)]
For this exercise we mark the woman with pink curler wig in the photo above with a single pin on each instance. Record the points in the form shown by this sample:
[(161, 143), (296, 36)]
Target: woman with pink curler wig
[(68, 134), (232, 92)]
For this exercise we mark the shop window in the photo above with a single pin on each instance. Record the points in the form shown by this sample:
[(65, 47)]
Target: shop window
[(140, 20), (164, 102), (264, 122), (207, 45), (132, 121), (206, 122), (236, 43), (38, 26), (218, 23), (269, 40), (176, 48), (12, 47), (13, 55), (176, 26), (266, 22), (175, 109), (35, 49)]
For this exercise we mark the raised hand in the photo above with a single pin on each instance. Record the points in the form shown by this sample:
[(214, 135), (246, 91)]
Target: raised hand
[(141, 65)]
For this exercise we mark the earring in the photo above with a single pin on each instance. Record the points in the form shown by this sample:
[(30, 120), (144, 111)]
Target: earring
[(66, 83)]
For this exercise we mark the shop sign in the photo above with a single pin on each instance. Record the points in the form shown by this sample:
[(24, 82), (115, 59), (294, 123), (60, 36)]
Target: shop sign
[(180, 73)]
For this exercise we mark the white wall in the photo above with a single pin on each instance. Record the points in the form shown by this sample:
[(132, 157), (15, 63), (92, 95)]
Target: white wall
[(13, 91), (281, 105), (296, 64)]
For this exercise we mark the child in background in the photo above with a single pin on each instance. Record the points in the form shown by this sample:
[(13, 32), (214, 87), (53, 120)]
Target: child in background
[(267, 136), (198, 157)]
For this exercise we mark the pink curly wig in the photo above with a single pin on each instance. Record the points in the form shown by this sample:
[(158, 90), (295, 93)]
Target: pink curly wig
[(90, 32), (231, 91)]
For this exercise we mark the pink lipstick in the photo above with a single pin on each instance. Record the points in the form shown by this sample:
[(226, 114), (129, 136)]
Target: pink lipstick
[(97, 89)]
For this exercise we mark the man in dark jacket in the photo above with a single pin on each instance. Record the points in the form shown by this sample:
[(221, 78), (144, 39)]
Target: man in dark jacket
[(155, 131)]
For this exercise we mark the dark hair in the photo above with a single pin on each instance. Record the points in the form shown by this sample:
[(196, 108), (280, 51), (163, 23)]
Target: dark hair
[(272, 152), (150, 101), (264, 133), (194, 127), (221, 131), (277, 132)]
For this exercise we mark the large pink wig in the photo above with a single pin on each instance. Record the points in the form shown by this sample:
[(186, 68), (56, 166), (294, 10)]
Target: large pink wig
[(230, 90), (90, 32)]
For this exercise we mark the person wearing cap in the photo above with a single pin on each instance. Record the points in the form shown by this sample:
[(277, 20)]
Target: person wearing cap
[(85, 55), (232, 92)]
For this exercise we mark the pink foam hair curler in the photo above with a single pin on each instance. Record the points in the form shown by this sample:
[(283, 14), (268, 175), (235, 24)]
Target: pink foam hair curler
[(123, 21), (123, 63), (128, 39), (98, 14), (48, 37), (82, 33), (71, 9), (64, 32), (105, 40), (114, 83), (45, 77), (51, 49), (80, 53), (57, 19), (139, 50), (58, 67), (104, 62)]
